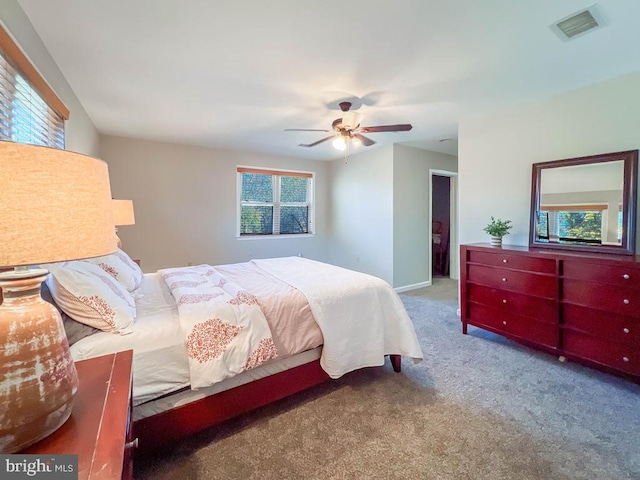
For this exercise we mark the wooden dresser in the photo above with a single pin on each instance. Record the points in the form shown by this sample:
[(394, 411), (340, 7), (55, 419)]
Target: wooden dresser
[(585, 307), (99, 430)]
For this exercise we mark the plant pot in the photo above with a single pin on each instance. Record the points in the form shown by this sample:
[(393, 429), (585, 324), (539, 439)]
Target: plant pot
[(496, 241)]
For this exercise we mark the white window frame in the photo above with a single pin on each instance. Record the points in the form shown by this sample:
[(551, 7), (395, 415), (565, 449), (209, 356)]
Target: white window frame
[(276, 174)]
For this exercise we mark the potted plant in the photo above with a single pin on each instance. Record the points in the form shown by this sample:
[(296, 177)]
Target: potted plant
[(498, 228)]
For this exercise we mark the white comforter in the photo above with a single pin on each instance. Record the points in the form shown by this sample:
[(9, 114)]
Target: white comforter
[(361, 317), (224, 329)]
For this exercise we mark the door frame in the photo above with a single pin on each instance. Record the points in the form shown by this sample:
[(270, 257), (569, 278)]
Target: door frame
[(454, 260)]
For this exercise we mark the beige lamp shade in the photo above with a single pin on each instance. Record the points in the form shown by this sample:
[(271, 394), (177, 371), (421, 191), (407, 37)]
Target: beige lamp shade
[(56, 206), (123, 212)]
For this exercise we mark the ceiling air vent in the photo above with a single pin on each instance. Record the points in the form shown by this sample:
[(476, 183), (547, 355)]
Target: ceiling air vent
[(577, 24)]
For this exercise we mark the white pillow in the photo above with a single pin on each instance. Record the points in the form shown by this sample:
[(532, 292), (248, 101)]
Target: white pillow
[(89, 295), (134, 268), (120, 267)]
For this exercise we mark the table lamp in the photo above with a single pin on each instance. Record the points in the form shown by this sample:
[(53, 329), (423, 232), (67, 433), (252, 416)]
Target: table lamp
[(122, 215), (55, 206)]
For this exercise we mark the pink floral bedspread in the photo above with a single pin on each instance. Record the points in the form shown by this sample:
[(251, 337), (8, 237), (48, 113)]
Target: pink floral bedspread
[(292, 325), (224, 329)]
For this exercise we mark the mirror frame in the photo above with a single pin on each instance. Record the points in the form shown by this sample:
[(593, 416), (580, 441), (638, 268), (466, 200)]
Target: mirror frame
[(629, 202)]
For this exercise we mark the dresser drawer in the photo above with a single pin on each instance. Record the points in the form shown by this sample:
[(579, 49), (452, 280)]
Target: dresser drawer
[(542, 309), (523, 282), (605, 325), (614, 355), (517, 262), (513, 325), (625, 276), (620, 300)]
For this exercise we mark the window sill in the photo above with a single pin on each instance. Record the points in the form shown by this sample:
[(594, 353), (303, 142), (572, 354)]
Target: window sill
[(273, 237)]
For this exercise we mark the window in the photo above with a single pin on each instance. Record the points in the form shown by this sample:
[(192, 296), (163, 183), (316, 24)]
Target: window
[(543, 225), (583, 223), (620, 218), (30, 112), (274, 202)]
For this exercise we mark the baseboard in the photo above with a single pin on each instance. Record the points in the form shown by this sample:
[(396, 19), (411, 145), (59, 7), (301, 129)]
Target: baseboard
[(414, 286)]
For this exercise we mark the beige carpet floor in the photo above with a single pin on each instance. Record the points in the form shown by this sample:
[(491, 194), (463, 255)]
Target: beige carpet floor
[(478, 407)]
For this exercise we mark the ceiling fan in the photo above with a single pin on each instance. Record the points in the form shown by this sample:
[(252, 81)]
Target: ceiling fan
[(348, 129)]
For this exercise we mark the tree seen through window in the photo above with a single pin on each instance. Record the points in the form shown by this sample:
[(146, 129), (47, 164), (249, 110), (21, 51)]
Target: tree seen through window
[(581, 225), (274, 203)]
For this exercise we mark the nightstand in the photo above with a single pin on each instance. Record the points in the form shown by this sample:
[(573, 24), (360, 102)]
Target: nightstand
[(99, 430)]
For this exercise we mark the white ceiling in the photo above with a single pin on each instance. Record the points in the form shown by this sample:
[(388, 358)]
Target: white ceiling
[(235, 74)]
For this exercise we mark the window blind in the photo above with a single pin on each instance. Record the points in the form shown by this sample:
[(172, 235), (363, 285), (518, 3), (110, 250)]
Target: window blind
[(30, 112), (262, 171)]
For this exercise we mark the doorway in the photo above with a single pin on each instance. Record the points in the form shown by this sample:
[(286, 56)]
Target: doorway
[(443, 224)]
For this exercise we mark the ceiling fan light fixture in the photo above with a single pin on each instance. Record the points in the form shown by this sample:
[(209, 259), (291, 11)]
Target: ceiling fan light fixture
[(347, 131), (351, 120), (339, 143)]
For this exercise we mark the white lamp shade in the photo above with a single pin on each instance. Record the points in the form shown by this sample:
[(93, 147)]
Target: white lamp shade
[(123, 212), (56, 206)]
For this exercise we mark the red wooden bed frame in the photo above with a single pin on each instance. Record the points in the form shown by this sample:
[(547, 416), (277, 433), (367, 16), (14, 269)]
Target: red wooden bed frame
[(168, 427)]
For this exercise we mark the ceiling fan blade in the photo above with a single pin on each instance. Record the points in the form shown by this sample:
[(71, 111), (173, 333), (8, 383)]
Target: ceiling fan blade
[(364, 140), (316, 143), (304, 130), (403, 127)]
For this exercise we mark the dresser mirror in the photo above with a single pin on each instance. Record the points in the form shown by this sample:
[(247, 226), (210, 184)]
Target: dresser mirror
[(585, 203)]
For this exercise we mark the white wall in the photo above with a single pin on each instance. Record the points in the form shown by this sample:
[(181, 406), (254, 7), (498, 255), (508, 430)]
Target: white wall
[(380, 212), (495, 152), (362, 212), (80, 134), (411, 241), (184, 202)]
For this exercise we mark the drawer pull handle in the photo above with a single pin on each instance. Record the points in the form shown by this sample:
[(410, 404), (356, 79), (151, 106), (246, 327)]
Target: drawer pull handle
[(504, 279), (625, 276), (132, 444), (504, 322), (504, 260), (504, 300), (625, 359), (625, 330), (625, 301)]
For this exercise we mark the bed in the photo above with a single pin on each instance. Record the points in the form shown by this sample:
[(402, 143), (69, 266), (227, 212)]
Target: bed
[(194, 368)]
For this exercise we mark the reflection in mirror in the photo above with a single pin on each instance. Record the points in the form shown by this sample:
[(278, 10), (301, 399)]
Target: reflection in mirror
[(582, 204), (585, 203)]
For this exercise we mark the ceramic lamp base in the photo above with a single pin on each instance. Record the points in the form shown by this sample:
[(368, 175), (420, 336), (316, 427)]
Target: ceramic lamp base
[(38, 376)]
